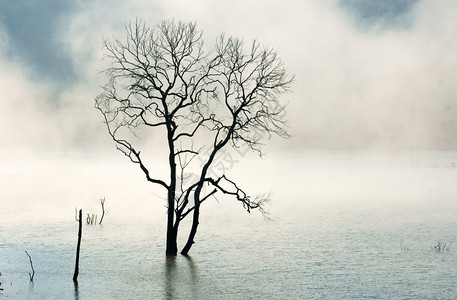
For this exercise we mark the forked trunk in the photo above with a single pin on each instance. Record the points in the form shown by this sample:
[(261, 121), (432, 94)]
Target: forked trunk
[(193, 230)]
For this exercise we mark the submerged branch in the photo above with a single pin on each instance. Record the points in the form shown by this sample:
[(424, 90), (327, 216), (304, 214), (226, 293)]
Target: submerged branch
[(31, 275)]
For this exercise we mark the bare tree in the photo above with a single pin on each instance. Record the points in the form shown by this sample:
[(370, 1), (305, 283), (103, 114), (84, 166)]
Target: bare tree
[(162, 82)]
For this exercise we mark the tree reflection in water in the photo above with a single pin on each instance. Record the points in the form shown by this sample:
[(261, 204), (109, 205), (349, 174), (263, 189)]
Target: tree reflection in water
[(181, 277)]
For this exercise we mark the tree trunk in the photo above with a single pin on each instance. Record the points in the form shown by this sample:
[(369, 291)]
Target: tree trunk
[(193, 230), (172, 236), (172, 231), (172, 246)]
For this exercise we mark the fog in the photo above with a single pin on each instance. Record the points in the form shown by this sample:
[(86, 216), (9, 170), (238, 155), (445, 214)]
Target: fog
[(366, 76), (357, 205)]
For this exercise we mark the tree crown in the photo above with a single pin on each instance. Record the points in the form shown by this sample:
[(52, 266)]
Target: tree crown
[(162, 79)]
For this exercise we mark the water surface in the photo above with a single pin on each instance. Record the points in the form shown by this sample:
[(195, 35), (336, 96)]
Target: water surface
[(343, 226)]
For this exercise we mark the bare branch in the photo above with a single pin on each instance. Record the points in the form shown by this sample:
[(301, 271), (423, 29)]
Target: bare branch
[(189, 210), (233, 190)]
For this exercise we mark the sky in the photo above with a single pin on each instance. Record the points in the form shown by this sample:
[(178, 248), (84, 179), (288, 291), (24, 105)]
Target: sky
[(376, 75)]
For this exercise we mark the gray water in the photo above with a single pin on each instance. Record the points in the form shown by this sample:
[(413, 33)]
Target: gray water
[(343, 226)]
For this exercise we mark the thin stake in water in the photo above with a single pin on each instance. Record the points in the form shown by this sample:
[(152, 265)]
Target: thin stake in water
[(75, 276)]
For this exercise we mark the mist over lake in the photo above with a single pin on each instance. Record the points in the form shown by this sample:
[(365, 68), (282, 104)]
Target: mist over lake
[(343, 225), (354, 103)]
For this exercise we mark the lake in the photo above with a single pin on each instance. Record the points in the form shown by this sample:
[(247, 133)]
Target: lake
[(344, 225)]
